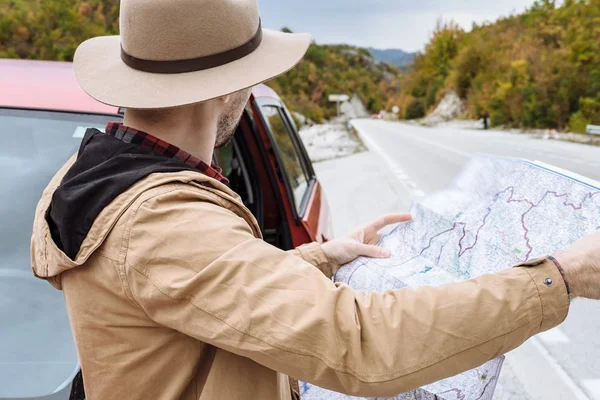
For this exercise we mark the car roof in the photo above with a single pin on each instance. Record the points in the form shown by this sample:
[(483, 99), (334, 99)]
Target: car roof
[(51, 85), (263, 90), (48, 85)]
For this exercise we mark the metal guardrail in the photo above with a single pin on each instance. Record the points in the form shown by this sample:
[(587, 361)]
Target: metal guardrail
[(593, 129)]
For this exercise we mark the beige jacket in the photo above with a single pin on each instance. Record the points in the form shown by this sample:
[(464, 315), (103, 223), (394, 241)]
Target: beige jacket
[(174, 295)]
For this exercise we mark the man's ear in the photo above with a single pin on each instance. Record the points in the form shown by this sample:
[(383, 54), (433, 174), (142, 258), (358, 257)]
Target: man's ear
[(225, 99)]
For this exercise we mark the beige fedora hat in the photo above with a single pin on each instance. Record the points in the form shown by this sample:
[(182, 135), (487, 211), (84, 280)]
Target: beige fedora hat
[(176, 52)]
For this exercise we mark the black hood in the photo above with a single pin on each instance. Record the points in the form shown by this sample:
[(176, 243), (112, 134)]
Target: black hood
[(105, 168)]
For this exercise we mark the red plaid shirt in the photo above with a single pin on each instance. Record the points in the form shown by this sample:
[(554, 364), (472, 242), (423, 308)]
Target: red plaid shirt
[(130, 135)]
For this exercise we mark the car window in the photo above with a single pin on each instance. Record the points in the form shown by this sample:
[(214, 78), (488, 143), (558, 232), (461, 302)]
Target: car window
[(235, 168), (223, 157), (37, 351), (290, 155)]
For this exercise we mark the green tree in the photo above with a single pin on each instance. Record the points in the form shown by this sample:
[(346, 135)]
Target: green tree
[(415, 110), (538, 69)]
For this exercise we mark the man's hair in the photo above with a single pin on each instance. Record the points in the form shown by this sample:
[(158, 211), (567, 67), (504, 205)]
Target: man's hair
[(152, 116)]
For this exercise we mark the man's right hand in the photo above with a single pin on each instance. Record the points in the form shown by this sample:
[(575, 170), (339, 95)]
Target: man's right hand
[(581, 263)]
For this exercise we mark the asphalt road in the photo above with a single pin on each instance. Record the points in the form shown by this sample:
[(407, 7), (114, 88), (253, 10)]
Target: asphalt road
[(561, 364)]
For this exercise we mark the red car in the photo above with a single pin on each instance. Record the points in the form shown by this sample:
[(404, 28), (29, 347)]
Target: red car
[(43, 116)]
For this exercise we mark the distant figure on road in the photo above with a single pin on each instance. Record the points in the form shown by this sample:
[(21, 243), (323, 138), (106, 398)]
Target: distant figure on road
[(486, 120)]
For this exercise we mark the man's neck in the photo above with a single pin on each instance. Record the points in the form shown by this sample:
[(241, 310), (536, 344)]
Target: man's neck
[(193, 131)]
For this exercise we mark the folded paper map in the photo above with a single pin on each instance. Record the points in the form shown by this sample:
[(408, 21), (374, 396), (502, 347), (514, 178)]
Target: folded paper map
[(499, 212)]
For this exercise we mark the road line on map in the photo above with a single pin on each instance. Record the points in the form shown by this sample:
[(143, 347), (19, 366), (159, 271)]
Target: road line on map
[(410, 185), (593, 387)]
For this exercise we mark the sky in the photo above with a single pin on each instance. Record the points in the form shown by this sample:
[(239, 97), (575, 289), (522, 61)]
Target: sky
[(403, 24)]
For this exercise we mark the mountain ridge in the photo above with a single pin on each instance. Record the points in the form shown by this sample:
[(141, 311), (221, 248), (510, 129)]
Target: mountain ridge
[(396, 57)]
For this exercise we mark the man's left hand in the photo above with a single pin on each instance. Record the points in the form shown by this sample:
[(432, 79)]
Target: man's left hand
[(362, 242)]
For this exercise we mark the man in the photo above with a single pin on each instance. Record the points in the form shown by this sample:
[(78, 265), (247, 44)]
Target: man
[(486, 120), (170, 290)]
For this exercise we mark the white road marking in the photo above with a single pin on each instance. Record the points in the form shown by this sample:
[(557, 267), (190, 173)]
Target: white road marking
[(439, 145), (532, 360), (593, 387), (519, 149), (558, 370), (540, 375), (409, 184), (553, 336)]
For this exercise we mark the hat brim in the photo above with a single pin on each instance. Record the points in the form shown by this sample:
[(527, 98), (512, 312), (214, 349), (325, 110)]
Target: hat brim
[(104, 76)]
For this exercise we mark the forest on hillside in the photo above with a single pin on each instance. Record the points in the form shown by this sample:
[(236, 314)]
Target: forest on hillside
[(336, 69), (539, 69), (52, 30)]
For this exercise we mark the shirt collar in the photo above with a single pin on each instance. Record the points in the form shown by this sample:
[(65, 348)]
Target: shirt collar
[(133, 136)]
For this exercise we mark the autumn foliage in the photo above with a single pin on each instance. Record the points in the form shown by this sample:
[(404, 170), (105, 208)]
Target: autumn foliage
[(327, 70), (52, 30), (539, 69)]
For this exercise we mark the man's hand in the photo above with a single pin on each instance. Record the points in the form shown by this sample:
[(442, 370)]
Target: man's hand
[(362, 242), (581, 263)]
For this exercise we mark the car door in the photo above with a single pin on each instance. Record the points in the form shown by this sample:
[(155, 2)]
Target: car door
[(306, 204)]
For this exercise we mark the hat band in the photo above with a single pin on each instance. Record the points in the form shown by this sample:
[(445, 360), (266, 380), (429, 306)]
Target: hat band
[(194, 64)]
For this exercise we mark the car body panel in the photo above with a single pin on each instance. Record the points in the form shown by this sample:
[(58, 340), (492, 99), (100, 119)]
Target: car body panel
[(312, 221), (264, 91), (298, 236), (317, 219), (45, 85)]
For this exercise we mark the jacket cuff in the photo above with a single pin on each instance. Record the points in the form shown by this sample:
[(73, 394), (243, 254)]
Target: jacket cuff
[(552, 290), (313, 253)]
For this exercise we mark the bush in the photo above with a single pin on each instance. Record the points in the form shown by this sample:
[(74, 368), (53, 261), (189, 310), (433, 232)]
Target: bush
[(315, 113), (537, 69), (578, 122), (590, 109), (415, 110), (588, 114), (374, 105)]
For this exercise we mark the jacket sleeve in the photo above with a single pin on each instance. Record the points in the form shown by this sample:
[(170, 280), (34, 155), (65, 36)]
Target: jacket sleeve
[(313, 254), (196, 267)]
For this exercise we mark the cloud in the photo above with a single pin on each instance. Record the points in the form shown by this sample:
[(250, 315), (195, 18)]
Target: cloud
[(405, 24)]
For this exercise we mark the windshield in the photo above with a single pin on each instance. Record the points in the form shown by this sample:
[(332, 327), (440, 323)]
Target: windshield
[(37, 352)]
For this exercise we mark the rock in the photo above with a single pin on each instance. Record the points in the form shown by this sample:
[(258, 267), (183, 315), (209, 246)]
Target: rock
[(449, 108), (353, 108), (330, 141)]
